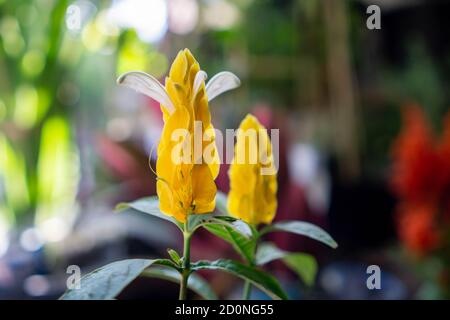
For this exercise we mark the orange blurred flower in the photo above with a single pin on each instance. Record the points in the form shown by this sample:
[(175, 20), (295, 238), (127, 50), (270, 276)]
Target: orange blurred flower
[(417, 229), (421, 180), (444, 154), (416, 161)]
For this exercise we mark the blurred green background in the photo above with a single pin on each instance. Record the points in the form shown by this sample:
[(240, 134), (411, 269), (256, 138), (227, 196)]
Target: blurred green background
[(72, 144)]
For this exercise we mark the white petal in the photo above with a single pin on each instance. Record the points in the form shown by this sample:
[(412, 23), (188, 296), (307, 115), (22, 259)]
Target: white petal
[(148, 85), (220, 83), (200, 77)]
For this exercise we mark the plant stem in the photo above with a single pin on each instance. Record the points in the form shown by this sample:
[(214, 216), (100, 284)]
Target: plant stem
[(247, 290), (186, 263), (183, 286), (248, 286)]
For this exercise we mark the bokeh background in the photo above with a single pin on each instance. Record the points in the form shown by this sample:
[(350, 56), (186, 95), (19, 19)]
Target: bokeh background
[(364, 144)]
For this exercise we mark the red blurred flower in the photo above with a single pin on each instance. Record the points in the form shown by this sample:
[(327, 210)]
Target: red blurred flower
[(444, 154), (421, 180), (416, 160), (417, 229)]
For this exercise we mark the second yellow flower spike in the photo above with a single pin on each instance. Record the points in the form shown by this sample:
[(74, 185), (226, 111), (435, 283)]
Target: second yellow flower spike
[(252, 195)]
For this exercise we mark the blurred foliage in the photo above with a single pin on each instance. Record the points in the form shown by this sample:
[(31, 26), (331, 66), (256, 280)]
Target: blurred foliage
[(407, 83), (56, 84), (45, 66), (32, 81)]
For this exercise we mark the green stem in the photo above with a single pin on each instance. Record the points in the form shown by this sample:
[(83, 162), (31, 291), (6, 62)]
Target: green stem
[(247, 290), (247, 285), (186, 263), (183, 286)]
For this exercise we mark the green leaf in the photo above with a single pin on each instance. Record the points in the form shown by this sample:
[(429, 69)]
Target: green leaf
[(268, 252), (235, 231), (258, 278), (199, 220), (243, 245), (303, 264), (302, 228), (195, 282), (149, 205), (196, 220), (174, 256), (108, 281), (236, 224)]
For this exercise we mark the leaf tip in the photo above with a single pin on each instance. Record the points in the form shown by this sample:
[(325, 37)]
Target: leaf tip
[(121, 78), (334, 244), (121, 206)]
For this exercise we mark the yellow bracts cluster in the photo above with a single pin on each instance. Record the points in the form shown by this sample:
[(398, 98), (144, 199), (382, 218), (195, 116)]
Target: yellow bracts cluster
[(188, 187), (253, 180), (185, 181)]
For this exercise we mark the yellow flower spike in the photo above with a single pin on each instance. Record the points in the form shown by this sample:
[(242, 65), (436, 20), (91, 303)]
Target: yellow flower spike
[(252, 195), (185, 182)]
